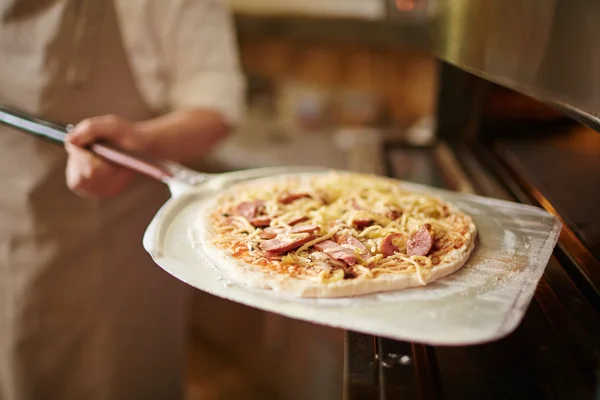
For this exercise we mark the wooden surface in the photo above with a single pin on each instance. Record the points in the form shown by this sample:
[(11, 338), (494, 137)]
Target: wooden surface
[(296, 360), (213, 376)]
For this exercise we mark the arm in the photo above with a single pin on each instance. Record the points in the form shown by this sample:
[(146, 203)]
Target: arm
[(183, 135), (179, 136), (204, 94)]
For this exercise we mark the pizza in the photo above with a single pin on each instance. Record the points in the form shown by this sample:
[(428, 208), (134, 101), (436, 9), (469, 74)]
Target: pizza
[(335, 234)]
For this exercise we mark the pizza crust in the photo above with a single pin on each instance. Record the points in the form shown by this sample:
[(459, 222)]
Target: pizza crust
[(254, 277)]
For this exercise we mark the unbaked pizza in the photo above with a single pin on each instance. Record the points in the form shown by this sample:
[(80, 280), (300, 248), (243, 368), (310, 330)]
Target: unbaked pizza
[(336, 234)]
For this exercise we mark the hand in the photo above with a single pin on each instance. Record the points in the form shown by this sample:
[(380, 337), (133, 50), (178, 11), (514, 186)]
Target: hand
[(89, 175)]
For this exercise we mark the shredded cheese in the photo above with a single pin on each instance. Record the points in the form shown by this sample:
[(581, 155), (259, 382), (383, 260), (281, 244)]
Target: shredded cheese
[(363, 207), (317, 240)]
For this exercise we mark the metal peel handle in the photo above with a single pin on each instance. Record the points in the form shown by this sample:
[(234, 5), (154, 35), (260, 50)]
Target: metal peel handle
[(156, 169), (146, 166)]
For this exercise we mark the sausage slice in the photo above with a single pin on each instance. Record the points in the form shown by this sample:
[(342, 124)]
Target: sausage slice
[(276, 247), (352, 241), (334, 250), (250, 209), (420, 242)]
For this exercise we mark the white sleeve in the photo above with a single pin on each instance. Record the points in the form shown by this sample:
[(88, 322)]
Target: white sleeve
[(201, 58)]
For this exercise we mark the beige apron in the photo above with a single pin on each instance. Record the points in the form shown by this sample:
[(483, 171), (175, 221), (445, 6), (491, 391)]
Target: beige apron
[(84, 313)]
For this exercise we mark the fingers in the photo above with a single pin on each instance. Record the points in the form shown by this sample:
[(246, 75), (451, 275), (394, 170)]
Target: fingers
[(107, 128), (89, 176)]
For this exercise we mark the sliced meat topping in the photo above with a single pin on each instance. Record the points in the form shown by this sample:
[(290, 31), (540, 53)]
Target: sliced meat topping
[(268, 235), (306, 228), (334, 250), (271, 232), (387, 246), (362, 223), (291, 197), (394, 214), (320, 257), (276, 247), (352, 241), (298, 220), (260, 221), (250, 209), (254, 211), (420, 242), (326, 245)]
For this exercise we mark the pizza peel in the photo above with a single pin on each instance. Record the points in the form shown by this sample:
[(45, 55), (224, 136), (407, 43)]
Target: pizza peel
[(483, 301)]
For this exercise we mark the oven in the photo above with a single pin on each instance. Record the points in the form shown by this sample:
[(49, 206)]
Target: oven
[(544, 159), (541, 148)]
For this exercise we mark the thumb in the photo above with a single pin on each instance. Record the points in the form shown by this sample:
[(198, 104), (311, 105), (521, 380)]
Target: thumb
[(91, 130)]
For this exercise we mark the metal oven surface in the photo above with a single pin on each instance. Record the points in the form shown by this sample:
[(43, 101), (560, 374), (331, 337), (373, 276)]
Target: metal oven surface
[(566, 169), (553, 353)]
